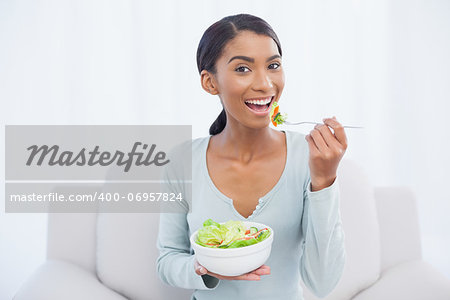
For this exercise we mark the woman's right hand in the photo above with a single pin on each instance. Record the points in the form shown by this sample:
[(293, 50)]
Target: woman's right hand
[(253, 275)]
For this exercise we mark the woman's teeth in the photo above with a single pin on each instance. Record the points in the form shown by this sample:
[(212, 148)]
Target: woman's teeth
[(259, 105), (259, 102)]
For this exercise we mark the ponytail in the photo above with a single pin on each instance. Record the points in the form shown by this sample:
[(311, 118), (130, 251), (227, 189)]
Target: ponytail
[(219, 123)]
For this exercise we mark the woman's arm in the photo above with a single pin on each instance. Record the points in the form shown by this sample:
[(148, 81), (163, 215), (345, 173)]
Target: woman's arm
[(323, 258), (175, 264)]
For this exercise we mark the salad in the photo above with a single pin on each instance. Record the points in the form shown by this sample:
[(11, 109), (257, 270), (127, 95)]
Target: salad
[(231, 234), (275, 116)]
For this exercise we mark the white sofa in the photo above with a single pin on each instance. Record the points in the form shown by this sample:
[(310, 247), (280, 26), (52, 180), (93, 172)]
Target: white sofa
[(112, 256)]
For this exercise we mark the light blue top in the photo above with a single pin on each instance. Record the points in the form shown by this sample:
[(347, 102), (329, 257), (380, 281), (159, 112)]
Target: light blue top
[(308, 239)]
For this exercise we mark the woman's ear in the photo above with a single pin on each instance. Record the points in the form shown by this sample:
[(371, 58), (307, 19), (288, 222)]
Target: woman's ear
[(208, 82)]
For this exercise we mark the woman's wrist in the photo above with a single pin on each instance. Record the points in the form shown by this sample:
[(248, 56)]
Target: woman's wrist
[(319, 184)]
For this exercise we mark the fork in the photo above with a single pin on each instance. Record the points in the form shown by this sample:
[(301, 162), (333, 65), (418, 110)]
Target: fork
[(299, 123)]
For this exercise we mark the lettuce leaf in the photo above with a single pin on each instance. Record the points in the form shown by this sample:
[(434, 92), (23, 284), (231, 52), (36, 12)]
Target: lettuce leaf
[(278, 118), (228, 235), (272, 109)]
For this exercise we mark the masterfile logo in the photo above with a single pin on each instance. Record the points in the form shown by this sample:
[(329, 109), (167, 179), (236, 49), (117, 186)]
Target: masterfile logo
[(80, 168), (53, 156)]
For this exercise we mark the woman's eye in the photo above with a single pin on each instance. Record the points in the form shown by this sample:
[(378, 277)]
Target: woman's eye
[(276, 64), (241, 68)]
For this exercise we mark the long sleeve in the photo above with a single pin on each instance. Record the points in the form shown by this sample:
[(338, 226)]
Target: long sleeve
[(175, 264), (323, 259)]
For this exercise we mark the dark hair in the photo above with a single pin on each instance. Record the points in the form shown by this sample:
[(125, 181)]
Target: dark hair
[(214, 40)]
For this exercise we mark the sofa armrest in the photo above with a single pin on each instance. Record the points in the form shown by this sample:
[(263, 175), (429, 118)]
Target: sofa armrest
[(413, 280), (399, 225), (56, 280)]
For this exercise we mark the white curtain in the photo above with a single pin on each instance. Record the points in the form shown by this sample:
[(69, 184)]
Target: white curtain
[(376, 63)]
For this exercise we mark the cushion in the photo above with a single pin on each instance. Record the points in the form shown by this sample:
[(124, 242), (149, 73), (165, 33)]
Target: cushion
[(362, 242), (55, 280), (399, 236), (126, 256)]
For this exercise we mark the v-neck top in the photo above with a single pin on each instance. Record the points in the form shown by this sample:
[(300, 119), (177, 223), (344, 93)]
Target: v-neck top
[(308, 236), (262, 200)]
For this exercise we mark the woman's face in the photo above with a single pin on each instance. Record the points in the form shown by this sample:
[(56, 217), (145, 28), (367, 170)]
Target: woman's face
[(249, 78)]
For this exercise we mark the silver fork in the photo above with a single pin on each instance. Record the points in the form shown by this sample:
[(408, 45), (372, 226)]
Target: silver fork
[(299, 123)]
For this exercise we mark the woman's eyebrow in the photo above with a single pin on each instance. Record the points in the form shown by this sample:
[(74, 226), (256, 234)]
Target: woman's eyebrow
[(252, 60)]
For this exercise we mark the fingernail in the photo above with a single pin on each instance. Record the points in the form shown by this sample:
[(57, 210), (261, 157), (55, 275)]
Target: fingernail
[(202, 270)]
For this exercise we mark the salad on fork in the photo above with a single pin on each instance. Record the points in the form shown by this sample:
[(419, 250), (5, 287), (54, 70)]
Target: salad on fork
[(278, 118), (275, 116)]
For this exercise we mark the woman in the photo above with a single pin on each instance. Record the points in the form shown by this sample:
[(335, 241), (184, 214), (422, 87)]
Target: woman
[(247, 171)]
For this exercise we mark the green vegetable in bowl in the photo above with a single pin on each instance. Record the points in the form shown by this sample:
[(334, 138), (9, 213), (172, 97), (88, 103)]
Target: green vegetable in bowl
[(231, 234)]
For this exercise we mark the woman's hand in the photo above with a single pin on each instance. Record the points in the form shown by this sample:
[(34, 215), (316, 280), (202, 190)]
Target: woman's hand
[(325, 151), (253, 275)]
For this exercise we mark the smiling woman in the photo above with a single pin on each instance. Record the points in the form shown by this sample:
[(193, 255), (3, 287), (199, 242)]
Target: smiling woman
[(247, 171), (248, 62)]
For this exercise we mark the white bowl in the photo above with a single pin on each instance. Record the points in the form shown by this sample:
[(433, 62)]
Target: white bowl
[(234, 261)]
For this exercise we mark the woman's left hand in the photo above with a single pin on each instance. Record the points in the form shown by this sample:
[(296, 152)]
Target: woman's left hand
[(325, 152)]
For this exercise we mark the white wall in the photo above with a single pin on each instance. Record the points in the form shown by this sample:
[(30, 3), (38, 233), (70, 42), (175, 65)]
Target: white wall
[(380, 64), (419, 72)]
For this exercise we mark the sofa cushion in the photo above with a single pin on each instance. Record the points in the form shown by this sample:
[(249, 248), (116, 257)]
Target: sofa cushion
[(362, 242), (399, 236), (126, 256), (413, 280), (77, 230), (56, 280)]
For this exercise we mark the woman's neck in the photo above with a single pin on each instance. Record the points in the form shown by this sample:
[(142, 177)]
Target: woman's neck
[(245, 144)]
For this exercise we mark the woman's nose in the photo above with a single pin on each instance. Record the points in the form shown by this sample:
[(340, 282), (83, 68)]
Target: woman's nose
[(262, 81)]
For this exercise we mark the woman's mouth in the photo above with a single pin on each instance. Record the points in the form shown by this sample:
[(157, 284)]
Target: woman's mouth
[(261, 105)]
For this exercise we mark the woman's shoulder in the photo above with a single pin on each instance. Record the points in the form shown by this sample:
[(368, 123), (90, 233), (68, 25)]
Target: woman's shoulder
[(196, 142), (193, 143), (296, 139), (295, 134), (186, 154), (298, 147)]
